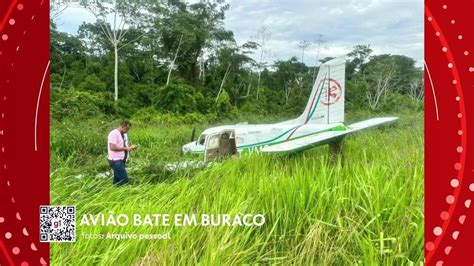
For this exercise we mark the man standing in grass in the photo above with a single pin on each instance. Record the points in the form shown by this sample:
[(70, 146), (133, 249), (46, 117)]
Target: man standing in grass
[(118, 150)]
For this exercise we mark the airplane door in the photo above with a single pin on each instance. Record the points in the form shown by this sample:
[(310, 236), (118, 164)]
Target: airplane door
[(220, 145)]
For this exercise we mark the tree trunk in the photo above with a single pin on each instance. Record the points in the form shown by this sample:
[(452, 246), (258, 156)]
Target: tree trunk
[(174, 61), (223, 81), (258, 83), (169, 73), (116, 72)]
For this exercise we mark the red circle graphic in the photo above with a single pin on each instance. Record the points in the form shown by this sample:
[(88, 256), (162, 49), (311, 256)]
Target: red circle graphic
[(333, 94)]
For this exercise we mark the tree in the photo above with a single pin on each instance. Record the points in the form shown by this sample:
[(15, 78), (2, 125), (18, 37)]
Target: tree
[(303, 45), (202, 27), (232, 58), (172, 65), (176, 98), (378, 78), (404, 70), (139, 58), (124, 13), (319, 41), (357, 57), (174, 29), (261, 39), (65, 50), (287, 76), (416, 89), (56, 8)]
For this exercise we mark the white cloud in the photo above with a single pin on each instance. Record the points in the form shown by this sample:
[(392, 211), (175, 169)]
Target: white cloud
[(73, 16), (394, 27)]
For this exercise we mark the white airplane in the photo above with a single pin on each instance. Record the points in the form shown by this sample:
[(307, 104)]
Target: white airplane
[(322, 122)]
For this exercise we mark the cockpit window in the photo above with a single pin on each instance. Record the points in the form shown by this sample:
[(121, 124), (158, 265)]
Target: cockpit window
[(202, 139)]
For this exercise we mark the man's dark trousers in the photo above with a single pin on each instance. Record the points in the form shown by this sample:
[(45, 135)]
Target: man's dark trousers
[(120, 174)]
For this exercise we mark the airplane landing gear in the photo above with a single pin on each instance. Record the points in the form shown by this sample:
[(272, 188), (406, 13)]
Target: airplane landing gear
[(336, 152)]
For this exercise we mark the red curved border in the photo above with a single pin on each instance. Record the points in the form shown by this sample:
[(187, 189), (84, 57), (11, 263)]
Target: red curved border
[(449, 161), (460, 175), (24, 171)]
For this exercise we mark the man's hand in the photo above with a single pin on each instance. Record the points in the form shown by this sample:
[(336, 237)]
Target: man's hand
[(114, 147), (131, 148)]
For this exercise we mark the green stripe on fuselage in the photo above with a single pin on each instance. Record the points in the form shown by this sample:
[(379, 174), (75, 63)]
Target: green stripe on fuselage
[(267, 141), (256, 145)]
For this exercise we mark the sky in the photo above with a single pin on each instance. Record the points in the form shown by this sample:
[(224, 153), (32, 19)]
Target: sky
[(389, 26)]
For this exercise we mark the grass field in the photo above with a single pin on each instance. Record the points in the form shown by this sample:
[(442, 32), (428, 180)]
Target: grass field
[(363, 207)]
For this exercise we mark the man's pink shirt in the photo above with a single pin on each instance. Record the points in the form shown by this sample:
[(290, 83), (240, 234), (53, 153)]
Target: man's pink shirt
[(115, 138)]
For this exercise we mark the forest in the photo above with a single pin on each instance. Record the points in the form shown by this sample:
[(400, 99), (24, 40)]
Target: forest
[(178, 59)]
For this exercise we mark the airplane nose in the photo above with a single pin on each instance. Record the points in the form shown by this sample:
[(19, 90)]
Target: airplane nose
[(185, 149)]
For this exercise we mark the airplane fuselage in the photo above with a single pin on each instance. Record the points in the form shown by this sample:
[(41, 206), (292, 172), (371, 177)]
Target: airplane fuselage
[(253, 137)]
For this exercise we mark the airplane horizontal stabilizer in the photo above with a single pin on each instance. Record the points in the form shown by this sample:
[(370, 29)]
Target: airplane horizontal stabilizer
[(311, 141)]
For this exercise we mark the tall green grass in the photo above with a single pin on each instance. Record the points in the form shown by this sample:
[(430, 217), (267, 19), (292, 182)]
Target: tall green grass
[(362, 207)]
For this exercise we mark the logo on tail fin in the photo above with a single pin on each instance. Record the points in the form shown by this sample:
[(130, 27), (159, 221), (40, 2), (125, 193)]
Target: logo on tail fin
[(333, 94)]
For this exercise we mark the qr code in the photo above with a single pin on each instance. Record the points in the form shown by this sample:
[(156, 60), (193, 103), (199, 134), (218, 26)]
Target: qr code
[(57, 223)]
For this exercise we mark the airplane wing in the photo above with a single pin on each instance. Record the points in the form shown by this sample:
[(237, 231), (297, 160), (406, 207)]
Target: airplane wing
[(324, 137)]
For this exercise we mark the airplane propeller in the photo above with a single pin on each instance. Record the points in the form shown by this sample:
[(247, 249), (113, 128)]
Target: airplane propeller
[(192, 134)]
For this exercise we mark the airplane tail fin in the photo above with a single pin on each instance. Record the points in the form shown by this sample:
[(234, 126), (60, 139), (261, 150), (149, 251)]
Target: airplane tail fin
[(326, 101)]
